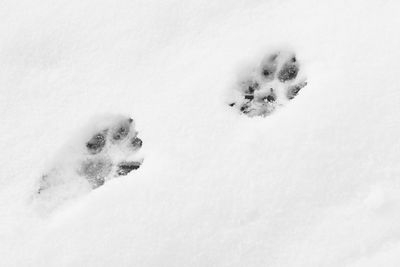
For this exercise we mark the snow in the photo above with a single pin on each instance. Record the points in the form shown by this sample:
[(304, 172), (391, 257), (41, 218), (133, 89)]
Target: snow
[(314, 184)]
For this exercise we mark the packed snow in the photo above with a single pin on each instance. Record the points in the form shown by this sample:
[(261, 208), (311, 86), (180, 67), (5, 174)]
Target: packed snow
[(315, 183)]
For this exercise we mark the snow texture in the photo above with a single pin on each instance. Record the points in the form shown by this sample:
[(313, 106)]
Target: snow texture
[(316, 183)]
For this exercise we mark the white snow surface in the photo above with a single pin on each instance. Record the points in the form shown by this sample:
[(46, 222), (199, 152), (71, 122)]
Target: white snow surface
[(314, 184)]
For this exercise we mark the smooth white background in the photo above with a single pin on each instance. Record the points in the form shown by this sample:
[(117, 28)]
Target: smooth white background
[(315, 184)]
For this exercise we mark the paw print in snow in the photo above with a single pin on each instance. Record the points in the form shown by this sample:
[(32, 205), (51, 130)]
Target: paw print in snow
[(107, 148), (276, 81), (107, 151)]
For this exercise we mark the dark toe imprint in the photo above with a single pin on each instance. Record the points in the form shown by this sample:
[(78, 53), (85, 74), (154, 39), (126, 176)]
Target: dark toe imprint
[(96, 143), (136, 143), (289, 70), (294, 90), (126, 167), (122, 131)]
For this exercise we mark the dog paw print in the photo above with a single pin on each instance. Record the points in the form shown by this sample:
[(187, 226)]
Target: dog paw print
[(277, 80), (106, 150), (104, 153)]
